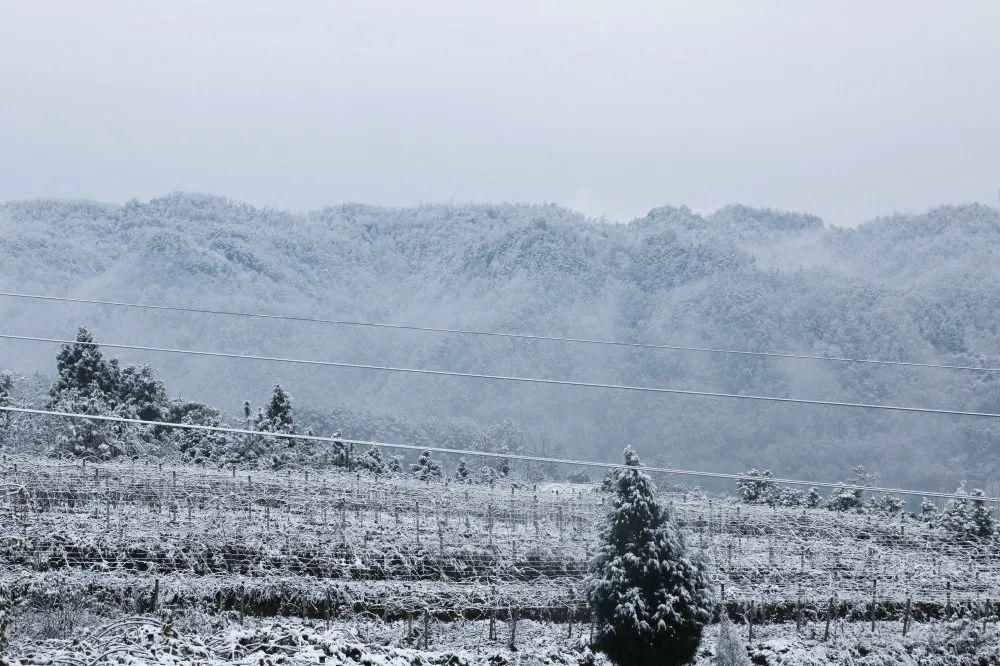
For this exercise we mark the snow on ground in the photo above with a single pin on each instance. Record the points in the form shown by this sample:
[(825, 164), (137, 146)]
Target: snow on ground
[(207, 639), (959, 643)]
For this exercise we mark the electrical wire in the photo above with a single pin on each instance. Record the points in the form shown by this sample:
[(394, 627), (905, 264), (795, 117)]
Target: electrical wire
[(509, 378), (489, 454), (498, 334)]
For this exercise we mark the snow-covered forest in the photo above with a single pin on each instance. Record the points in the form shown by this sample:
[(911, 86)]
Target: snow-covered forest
[(913, 288)]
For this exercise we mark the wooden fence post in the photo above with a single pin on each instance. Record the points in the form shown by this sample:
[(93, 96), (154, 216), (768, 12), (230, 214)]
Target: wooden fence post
[(829, 616), (798, 610), (874, 593), (906, 615)]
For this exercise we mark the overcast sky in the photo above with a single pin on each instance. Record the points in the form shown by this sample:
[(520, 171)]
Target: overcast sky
[(845, 109)]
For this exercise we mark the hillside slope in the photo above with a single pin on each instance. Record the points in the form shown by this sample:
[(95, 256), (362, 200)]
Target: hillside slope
[(916, 288)]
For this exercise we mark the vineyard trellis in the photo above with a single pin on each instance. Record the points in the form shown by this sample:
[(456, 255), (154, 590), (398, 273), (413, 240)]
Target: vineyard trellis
[(330, 543)]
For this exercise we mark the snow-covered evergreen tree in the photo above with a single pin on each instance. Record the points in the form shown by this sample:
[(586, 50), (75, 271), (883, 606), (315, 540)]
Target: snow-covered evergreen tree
[(955, 516), (140, 389), (6, 393), (928, 511), (813, 499), (426, 468), (610, 481), (198, 446), (980, 524), (967, 516), (888, 503), (462, 472), (6, 387), (845, 499), (82, 370), (341, 452), (279, 411), (488, 475), (395, 465), (371, 461), (758, 490), (650, 596)]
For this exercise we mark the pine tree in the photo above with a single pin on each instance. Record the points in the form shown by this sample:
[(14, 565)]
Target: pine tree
[(426, 468), (813, 499), (928, 511), (6, 387), (462, 471), (488, 475), (371, 460), (279, 411), (610, 481), (142, 392), (198, 446), (341, 455), (650, 597), (955, 516), (980, 523), (6, 391), (82, 370)]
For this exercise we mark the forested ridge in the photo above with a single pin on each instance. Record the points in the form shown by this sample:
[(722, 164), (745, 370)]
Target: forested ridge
[(906, 287)]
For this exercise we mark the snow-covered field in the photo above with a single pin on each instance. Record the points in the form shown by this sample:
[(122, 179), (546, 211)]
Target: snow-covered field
[(202, 638), (318, 564)]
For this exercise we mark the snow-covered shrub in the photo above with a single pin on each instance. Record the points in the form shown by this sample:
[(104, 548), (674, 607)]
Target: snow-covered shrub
[(649, 595), (729, 648), (197, 446), (488, 475), (462, 472), (928, 511), (845, 499), (787, 497), (341, 454), (813, 499), (758, 490), (610, 481), (6, 393), (967, 516), (888, 504), (426, 468), (371, 461)]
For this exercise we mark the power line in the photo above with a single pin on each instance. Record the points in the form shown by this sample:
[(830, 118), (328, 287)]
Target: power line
[(509, 378), (499, 334), (487, 454)]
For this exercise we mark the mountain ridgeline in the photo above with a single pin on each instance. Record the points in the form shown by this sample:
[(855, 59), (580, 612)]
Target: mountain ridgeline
[(912, 288)]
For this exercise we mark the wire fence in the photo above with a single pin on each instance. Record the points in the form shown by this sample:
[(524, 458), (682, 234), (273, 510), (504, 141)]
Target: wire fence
[(394, 546)]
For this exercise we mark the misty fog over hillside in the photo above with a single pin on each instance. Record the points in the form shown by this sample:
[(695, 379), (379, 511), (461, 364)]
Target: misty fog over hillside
[(922, 288)]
